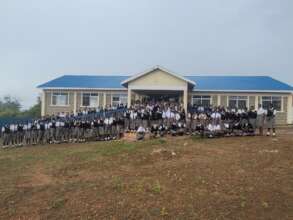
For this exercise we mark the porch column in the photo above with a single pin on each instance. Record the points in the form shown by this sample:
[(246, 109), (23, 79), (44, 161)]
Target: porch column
[(256, 102), (75, 102), (43, 106), (128, 97), (289, 109), (219, 100), (185, 99), (104, 99)]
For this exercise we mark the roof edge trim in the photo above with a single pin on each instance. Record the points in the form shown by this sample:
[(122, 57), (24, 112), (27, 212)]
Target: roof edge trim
[(136, 76)]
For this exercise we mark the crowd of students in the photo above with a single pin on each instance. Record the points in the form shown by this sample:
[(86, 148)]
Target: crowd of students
[(155, 118)]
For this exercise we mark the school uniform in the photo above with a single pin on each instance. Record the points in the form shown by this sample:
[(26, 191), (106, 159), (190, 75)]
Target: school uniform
[(47, 133), (260, 117), (6, 133), (162, 130), (252, 116), (127, 120), (173, 129), (34, 134), (13, 134), (271, 119), (154, 130), (133, 116), (140, 133), (188, 123), (20, 134)]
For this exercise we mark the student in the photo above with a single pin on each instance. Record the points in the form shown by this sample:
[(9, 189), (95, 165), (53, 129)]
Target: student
[(154, 130), (6, 133), (188, 123), (252, 116), (140, 133), (173, 129), (261, 112), (181, 128), (270, 120), (13, 134), (162, 130)]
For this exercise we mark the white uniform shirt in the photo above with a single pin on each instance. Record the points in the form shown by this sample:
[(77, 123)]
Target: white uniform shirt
[(13, 127), (141, 129), (216, 115), (261, 111), (177, 116)]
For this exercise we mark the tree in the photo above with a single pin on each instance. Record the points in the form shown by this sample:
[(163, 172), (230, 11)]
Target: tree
[(9, 107), (34, 111)]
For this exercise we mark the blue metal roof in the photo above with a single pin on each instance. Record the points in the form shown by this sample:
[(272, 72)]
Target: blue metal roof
[(233, 83), (82, 81), (263, 83)]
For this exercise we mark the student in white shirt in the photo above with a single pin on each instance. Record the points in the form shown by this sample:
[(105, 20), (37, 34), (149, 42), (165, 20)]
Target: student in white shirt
[(140, 133), (261, 113)]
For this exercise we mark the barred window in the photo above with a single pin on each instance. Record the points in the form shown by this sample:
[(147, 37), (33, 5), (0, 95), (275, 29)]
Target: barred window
[(276, 101), (60, 99), (118, 99), (238, 102), (200, 100), (90, 99)]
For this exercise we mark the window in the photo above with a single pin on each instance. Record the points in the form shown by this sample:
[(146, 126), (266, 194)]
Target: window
[(201, 100), (238, 102), (60, 99), (118, 99), (90, 99), (276, 101)]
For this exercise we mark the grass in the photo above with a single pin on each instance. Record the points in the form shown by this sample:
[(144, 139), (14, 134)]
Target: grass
[(157, 188)]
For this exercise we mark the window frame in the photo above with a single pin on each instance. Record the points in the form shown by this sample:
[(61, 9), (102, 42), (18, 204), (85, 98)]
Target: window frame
[(271, 97), (246, 99), (90, 94), (201, 99), (118, 95), (59, 94)]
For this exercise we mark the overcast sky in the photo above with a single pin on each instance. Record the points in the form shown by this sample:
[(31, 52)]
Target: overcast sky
[(41, 40)]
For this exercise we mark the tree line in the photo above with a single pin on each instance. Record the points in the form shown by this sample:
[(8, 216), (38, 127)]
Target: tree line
[(11, 107)]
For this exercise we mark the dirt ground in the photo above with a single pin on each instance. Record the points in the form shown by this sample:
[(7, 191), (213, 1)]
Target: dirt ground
[(171, 178)]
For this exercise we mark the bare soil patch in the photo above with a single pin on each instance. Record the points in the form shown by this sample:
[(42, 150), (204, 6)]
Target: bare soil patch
[(170, 178)]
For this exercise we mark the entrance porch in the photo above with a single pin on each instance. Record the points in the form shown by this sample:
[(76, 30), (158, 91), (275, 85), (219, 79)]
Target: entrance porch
[(175, 96)]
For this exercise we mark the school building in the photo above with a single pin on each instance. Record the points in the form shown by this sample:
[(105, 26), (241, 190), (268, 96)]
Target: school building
[(71, 93)]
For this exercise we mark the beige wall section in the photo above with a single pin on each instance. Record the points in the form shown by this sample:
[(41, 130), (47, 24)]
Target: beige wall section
[(158, 79), (50, 110), (290, 109), (214, 100), (285, 101), (108, 99), (224, 100), (283, 117), (43, 105), (185, 99), (252, 101), (101, 99)]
